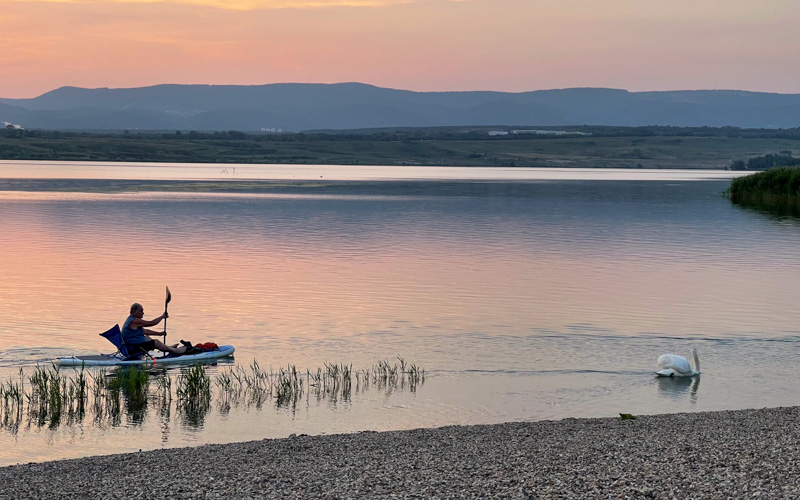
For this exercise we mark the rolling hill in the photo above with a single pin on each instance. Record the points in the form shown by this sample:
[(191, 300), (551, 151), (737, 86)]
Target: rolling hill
[(298, 107)]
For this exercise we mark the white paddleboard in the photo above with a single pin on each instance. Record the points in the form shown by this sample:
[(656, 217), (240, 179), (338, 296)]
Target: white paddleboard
[(110, 360)]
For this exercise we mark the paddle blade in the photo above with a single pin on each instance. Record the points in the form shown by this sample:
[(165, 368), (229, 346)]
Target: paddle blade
[(169, 297)]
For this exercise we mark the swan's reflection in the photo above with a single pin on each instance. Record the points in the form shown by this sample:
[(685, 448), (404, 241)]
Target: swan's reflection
[(677, 388)]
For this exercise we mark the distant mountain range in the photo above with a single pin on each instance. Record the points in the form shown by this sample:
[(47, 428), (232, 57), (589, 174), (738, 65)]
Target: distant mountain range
[(298, 107)]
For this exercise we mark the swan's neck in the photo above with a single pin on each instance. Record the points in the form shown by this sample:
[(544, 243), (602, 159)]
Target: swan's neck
[(696, 360)]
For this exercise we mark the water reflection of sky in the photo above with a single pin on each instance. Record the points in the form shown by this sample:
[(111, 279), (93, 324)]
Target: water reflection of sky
[(641, 257), (522, 300), (197, 171)]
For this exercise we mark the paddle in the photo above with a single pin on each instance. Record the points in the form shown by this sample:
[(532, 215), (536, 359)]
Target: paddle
[(169, 297)]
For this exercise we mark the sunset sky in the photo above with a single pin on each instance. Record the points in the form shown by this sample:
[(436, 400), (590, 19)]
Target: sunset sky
[(425, 45)]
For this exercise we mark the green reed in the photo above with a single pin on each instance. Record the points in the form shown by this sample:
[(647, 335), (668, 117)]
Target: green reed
[(54, 395), (133, 382), (98, 388), (12, 392), (50, 396), (194, 394), (775, 191), (776, 182), (288, 386), (164, 385), (194, 384)]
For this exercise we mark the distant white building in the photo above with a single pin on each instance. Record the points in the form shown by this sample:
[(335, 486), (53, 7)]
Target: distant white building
[(548, 132), (11, 126)]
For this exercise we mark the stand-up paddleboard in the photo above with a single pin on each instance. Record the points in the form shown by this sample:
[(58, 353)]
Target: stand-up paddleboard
[(117, 360), (124, 357)]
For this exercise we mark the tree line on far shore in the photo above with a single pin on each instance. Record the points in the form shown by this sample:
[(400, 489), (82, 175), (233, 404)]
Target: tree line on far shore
[(766, 162), (415, 133)]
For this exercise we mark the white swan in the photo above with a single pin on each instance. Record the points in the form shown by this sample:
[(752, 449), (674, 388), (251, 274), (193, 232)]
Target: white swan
[(673, 365)]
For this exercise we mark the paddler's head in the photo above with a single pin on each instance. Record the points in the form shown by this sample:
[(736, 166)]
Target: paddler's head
[(137, 310)]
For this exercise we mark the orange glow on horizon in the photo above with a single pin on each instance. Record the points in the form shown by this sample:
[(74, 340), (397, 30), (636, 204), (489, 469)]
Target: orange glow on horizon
[(238, 4), (422, 45)]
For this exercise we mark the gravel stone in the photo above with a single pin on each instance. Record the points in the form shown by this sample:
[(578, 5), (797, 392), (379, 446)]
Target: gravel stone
[(725, 454)]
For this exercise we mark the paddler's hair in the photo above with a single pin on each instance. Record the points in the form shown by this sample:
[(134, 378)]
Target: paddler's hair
[(135, 306)]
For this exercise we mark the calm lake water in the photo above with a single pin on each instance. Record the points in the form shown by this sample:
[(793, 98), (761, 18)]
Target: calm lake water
[(525, 294)]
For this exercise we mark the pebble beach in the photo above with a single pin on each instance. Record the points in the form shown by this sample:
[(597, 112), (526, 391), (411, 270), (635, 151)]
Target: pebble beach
[(724, 454)]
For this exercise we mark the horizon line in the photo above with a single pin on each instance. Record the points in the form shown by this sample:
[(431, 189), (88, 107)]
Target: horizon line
[(581, 87)]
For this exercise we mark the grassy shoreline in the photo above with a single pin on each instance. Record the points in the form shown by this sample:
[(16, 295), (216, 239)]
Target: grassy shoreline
[(777, 183), (623, 148), (776, 191)]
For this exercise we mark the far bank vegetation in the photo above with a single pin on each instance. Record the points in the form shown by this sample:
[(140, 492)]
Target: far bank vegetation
[(775, 189), (768, 161), (653, 147)]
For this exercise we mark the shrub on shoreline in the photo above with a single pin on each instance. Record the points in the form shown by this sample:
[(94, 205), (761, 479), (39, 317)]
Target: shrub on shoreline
[(777, 185)]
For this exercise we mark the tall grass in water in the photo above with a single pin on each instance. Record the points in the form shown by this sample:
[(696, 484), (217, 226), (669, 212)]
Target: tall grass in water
[(389, 376), (12, 392), (194, 394), (55, 395), (776, 190), (288, 386), (99, 387), (50, 396), (254, 385), (163, 395), (133, 382)]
